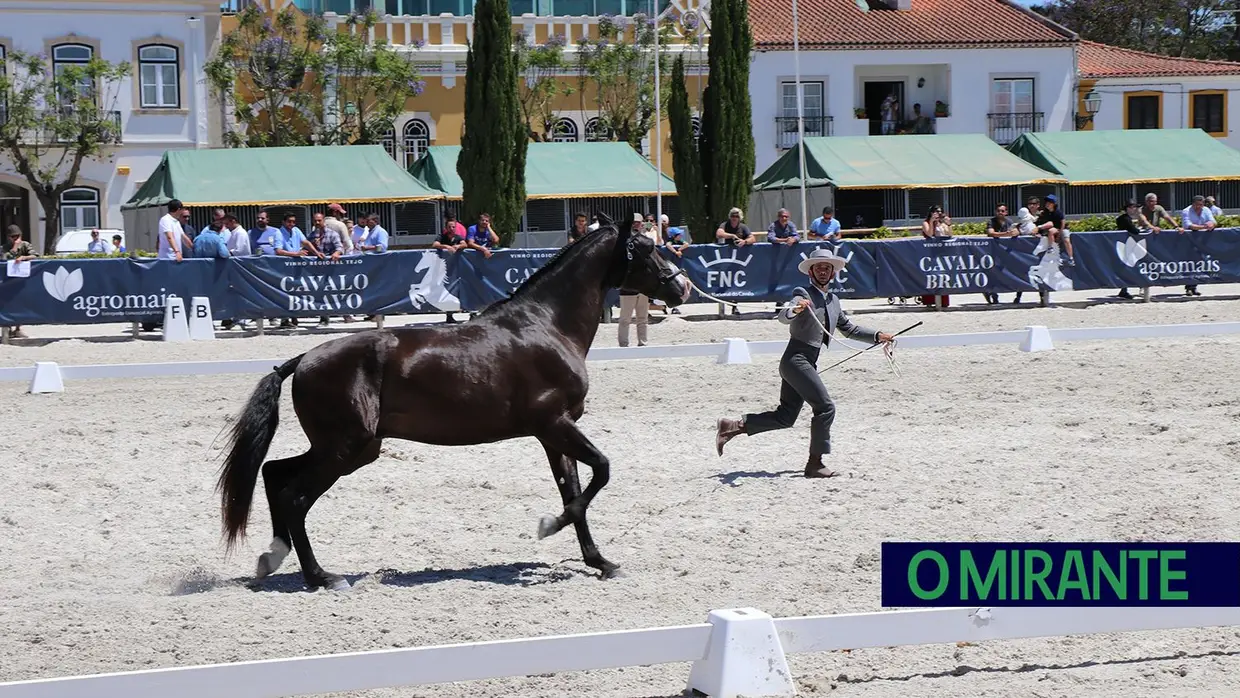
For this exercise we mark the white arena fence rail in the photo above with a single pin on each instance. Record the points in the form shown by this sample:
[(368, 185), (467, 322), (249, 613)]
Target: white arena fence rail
[(49, 376), (739, 652)]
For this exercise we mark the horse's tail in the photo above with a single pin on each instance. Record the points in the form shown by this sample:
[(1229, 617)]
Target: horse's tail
[(250, 437)]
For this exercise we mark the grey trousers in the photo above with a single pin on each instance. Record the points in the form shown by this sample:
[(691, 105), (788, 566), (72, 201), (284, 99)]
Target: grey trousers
[(800, 385)]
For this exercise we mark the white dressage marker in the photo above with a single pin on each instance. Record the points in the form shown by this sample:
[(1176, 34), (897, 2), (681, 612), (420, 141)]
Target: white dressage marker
[(176, 327), (201, 324), (46, 378), (735, 351), (1038, 339), (744, 658)]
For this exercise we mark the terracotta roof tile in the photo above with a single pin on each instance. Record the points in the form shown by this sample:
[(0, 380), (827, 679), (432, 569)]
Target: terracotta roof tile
[(840, 24), (1102, 61)]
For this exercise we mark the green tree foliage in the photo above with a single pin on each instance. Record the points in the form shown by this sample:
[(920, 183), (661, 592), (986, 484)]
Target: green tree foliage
[(266, 71), (496, 136), (1185, 28), (368, 83), (726, 145), (55, 121), (685, 158), (539, 67), (622, 73)]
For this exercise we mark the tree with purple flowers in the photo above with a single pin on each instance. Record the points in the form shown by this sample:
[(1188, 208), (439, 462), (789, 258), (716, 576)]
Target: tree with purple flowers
[(539, 67), (267, 72), (367, 84), (619, 66)]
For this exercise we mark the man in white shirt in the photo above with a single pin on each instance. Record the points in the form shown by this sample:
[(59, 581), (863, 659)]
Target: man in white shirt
[(236, 237), (1196, 217), (171, 232), (96, 245)]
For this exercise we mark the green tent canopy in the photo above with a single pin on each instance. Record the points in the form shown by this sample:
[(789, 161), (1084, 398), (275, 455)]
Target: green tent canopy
[(558, 171), (279, 176), (902, 162), (1130, 156)]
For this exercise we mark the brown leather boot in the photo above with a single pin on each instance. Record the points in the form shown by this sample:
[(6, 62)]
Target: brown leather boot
[(814, 468), (726, 430)]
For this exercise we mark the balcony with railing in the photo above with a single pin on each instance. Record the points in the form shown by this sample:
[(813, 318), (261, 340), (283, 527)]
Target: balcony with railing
[(1007, 127), (814, 126)]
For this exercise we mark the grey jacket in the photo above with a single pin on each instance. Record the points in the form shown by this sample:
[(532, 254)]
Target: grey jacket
[(828, 311)]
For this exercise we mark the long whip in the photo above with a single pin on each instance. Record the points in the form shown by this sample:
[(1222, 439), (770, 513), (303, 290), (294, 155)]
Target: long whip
[(885, 350)]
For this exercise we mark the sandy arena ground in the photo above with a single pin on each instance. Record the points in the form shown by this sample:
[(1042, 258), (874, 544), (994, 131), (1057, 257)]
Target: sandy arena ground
[(112, 559)]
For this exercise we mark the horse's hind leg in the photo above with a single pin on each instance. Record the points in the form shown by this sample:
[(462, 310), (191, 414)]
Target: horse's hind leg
[(565, 438), (564, 469), (296, 500), (276, 476)]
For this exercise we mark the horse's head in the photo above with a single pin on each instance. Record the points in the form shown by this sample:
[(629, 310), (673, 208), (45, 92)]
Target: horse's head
[(641, 269)]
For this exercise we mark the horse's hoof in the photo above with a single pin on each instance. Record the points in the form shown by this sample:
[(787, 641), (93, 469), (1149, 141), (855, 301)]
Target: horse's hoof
[(547, 525), (610, 570), (270, 561), (340, 584), (333, 582)]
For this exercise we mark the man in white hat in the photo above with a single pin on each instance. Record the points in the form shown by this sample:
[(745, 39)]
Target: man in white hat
[(799, 365)]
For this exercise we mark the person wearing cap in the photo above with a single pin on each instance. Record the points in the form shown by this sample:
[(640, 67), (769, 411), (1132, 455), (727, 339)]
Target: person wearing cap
[(674, 239), (18, 250), (798, 368), (1051, 224), (1210, 204), (334, 220)]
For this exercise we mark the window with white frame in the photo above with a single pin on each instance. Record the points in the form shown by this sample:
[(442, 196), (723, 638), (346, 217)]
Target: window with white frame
[(74, 56), (564, 131), (388, 141), (159, 71), (813, 107), (596, 131), (417, 138), (79, 208), (1012, 96)]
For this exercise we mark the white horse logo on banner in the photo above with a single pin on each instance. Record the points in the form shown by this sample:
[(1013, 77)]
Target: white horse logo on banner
[(433, 290), (1047, 271)]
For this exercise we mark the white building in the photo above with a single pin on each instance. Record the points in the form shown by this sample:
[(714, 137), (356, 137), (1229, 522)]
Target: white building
[(163, 105), (996, 67), (1144, 90)]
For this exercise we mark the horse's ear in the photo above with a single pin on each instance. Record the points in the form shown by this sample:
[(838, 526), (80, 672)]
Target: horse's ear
[(603, 218)]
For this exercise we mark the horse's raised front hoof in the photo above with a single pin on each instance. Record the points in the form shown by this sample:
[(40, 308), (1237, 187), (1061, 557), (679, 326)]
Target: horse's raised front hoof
[(548, 525), (270, 561)]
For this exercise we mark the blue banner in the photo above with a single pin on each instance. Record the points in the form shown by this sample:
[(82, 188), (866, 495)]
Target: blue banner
[(432, 281), (1061, 574)]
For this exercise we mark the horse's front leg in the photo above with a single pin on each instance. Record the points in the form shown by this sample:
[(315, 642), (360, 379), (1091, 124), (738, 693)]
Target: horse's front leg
[(565, 444)]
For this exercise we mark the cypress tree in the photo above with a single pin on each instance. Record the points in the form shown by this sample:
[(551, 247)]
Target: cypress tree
[(685, 159), (493, 146), (727, 147)]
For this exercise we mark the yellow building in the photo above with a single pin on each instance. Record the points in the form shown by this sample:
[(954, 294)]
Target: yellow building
[(435, 33)]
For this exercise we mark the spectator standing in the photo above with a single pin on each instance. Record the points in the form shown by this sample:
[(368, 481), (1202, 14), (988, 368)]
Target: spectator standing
[(262, 226), (116, 243), (936, 225), (376, 237), (217, 216), (210, 243), (1157, 215), (286, 241), (481, 236), (1218, 212), (451, 238), (999, 226), (733, 231), (1196, 217), (170, 233), (580, 228), (320, 238), (236, 238), (97, 246), (1133, 222), (632, 302), (825, 227), (335, 220), (782, 231), (18, 250)]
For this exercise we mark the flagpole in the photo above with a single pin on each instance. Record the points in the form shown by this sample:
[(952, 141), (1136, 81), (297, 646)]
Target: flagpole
[(796, 62), (658, 127)]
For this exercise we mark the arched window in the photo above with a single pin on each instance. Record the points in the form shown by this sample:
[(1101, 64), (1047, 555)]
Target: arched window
[(159, 73), (417, 138), (389, 142), (595, 131), (564, 131), (79, 208), (74, 57)]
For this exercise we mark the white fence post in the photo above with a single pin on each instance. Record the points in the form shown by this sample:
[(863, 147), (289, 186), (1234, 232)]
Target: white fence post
[(1038, 339), (744, 658), (735, 351), (46, 378)]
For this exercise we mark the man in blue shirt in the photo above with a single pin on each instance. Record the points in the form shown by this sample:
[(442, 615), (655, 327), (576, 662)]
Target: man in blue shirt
[(825, 227), (482, 236), (287, 241), (377, 239), (210, 244), (260, 228)]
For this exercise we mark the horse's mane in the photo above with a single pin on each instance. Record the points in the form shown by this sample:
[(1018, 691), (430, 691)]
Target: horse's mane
[(558, 259)]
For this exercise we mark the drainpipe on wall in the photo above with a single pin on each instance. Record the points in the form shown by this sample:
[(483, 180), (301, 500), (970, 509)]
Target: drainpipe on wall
[(198, 87)]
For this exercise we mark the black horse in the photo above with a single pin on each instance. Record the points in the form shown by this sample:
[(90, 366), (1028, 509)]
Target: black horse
[(522, 362)]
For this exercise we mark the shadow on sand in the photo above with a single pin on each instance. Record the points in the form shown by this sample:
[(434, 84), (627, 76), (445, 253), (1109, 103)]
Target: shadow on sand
[(521, 574), (731, 479)]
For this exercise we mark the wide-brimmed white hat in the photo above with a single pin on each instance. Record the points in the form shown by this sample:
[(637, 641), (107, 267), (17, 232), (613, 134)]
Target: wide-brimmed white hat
[(822, 256)]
